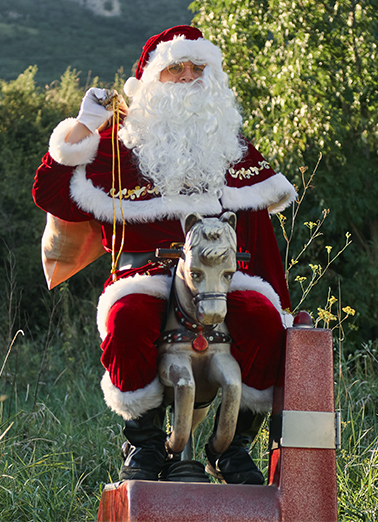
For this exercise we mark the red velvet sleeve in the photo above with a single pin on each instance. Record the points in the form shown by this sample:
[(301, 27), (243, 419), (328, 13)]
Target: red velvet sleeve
[(256, 236), (51, 191)]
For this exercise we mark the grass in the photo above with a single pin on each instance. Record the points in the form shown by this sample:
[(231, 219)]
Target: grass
[(55, 459), (62, 443), (357, 460), (56, 456)]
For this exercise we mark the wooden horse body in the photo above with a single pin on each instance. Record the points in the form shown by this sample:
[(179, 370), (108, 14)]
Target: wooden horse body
[(194, 350)]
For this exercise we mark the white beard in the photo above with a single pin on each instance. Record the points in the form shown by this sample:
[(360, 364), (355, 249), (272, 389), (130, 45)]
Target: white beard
[(185, 136)]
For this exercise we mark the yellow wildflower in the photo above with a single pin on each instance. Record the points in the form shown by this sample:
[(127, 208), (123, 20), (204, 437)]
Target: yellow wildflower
[(348, 310), (310, 224), (315, 268), (325, 315)]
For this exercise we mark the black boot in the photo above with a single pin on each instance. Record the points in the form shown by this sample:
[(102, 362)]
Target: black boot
[(145, 452), (235, 466)]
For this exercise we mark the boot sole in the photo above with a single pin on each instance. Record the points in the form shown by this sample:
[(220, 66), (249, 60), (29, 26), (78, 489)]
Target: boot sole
[(218, 475)]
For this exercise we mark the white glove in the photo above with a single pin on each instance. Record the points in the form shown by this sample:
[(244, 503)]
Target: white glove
[(92, 114)]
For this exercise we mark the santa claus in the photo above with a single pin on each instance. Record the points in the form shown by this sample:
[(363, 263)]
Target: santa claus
[(180, 150)]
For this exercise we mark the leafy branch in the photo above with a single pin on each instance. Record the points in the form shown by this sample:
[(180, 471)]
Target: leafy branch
[(317, 272), (288, 236)]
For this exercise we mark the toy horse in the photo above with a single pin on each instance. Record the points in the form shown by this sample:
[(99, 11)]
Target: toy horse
[(194, 363), (194, 349)]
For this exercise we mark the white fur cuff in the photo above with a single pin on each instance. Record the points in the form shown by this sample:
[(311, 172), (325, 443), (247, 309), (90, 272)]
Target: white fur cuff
[(259, 401), (72, 154), (157, 285), (132, 404)]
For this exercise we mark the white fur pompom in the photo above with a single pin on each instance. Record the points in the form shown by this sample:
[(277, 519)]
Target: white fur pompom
[(131, 87)]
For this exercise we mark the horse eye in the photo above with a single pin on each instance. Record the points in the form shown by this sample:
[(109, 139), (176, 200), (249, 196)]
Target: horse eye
[(195, 275), (228, 276)]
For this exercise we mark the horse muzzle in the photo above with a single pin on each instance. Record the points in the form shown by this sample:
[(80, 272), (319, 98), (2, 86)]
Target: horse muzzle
[(211, 307)]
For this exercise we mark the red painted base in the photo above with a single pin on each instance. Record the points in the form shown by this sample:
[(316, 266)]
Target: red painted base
[(143, 501), (303, 480)]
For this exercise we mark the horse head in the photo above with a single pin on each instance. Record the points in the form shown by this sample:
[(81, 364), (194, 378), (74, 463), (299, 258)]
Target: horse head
[(208, 263)]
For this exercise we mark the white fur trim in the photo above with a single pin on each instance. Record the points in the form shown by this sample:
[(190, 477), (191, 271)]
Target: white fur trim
[(132, 86), (259, 401), (94, 200), (181, 49), (241, 281), (158, 285), (132, 404), (276, 192), (287, 319), (72, 154)]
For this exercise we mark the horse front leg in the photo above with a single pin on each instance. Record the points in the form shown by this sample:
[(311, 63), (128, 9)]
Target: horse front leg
[(176, 371), (225, 372)]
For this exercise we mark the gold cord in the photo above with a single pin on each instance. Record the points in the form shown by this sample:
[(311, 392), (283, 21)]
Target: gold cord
[(116, 158)]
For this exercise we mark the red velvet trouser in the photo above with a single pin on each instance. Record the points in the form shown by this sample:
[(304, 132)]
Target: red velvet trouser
[(134, 322)]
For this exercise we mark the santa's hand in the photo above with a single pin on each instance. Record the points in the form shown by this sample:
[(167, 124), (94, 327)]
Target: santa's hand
[(92, 113)]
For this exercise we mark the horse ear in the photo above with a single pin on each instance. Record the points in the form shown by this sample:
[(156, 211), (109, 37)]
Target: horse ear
[(230, 218), (190, 220)]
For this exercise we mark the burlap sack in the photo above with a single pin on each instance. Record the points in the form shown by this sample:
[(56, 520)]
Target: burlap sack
[(68, 247)]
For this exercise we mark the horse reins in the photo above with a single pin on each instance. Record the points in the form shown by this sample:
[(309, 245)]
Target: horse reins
[(199, 335)]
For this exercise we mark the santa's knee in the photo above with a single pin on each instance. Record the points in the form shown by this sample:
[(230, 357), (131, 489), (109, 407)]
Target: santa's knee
[(132, 404)]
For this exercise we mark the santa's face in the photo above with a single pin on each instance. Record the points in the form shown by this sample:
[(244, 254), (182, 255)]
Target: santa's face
[(182, 72)]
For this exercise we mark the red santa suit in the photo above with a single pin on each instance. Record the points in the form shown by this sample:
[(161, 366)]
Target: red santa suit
[(74, 183)]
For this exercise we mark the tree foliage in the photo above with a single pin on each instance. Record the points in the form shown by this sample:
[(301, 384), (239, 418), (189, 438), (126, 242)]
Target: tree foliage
[(28, 114), (306, 76)]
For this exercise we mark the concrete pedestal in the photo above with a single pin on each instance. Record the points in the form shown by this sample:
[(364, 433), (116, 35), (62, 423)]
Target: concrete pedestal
[(144, 501)]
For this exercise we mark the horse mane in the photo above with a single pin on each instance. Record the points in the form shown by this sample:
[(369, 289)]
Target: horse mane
[(220, 238)]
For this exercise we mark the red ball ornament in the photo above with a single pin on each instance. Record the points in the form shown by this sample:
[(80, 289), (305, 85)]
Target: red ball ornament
[(200, 343), (303, 319)]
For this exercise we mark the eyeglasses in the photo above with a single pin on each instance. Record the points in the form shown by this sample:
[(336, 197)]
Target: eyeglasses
[(178, 68)]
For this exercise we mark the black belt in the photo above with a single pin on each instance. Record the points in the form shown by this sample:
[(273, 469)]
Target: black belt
[(136, 259)]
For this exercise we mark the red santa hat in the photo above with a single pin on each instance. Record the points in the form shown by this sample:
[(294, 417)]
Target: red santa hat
[(178, 43)]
